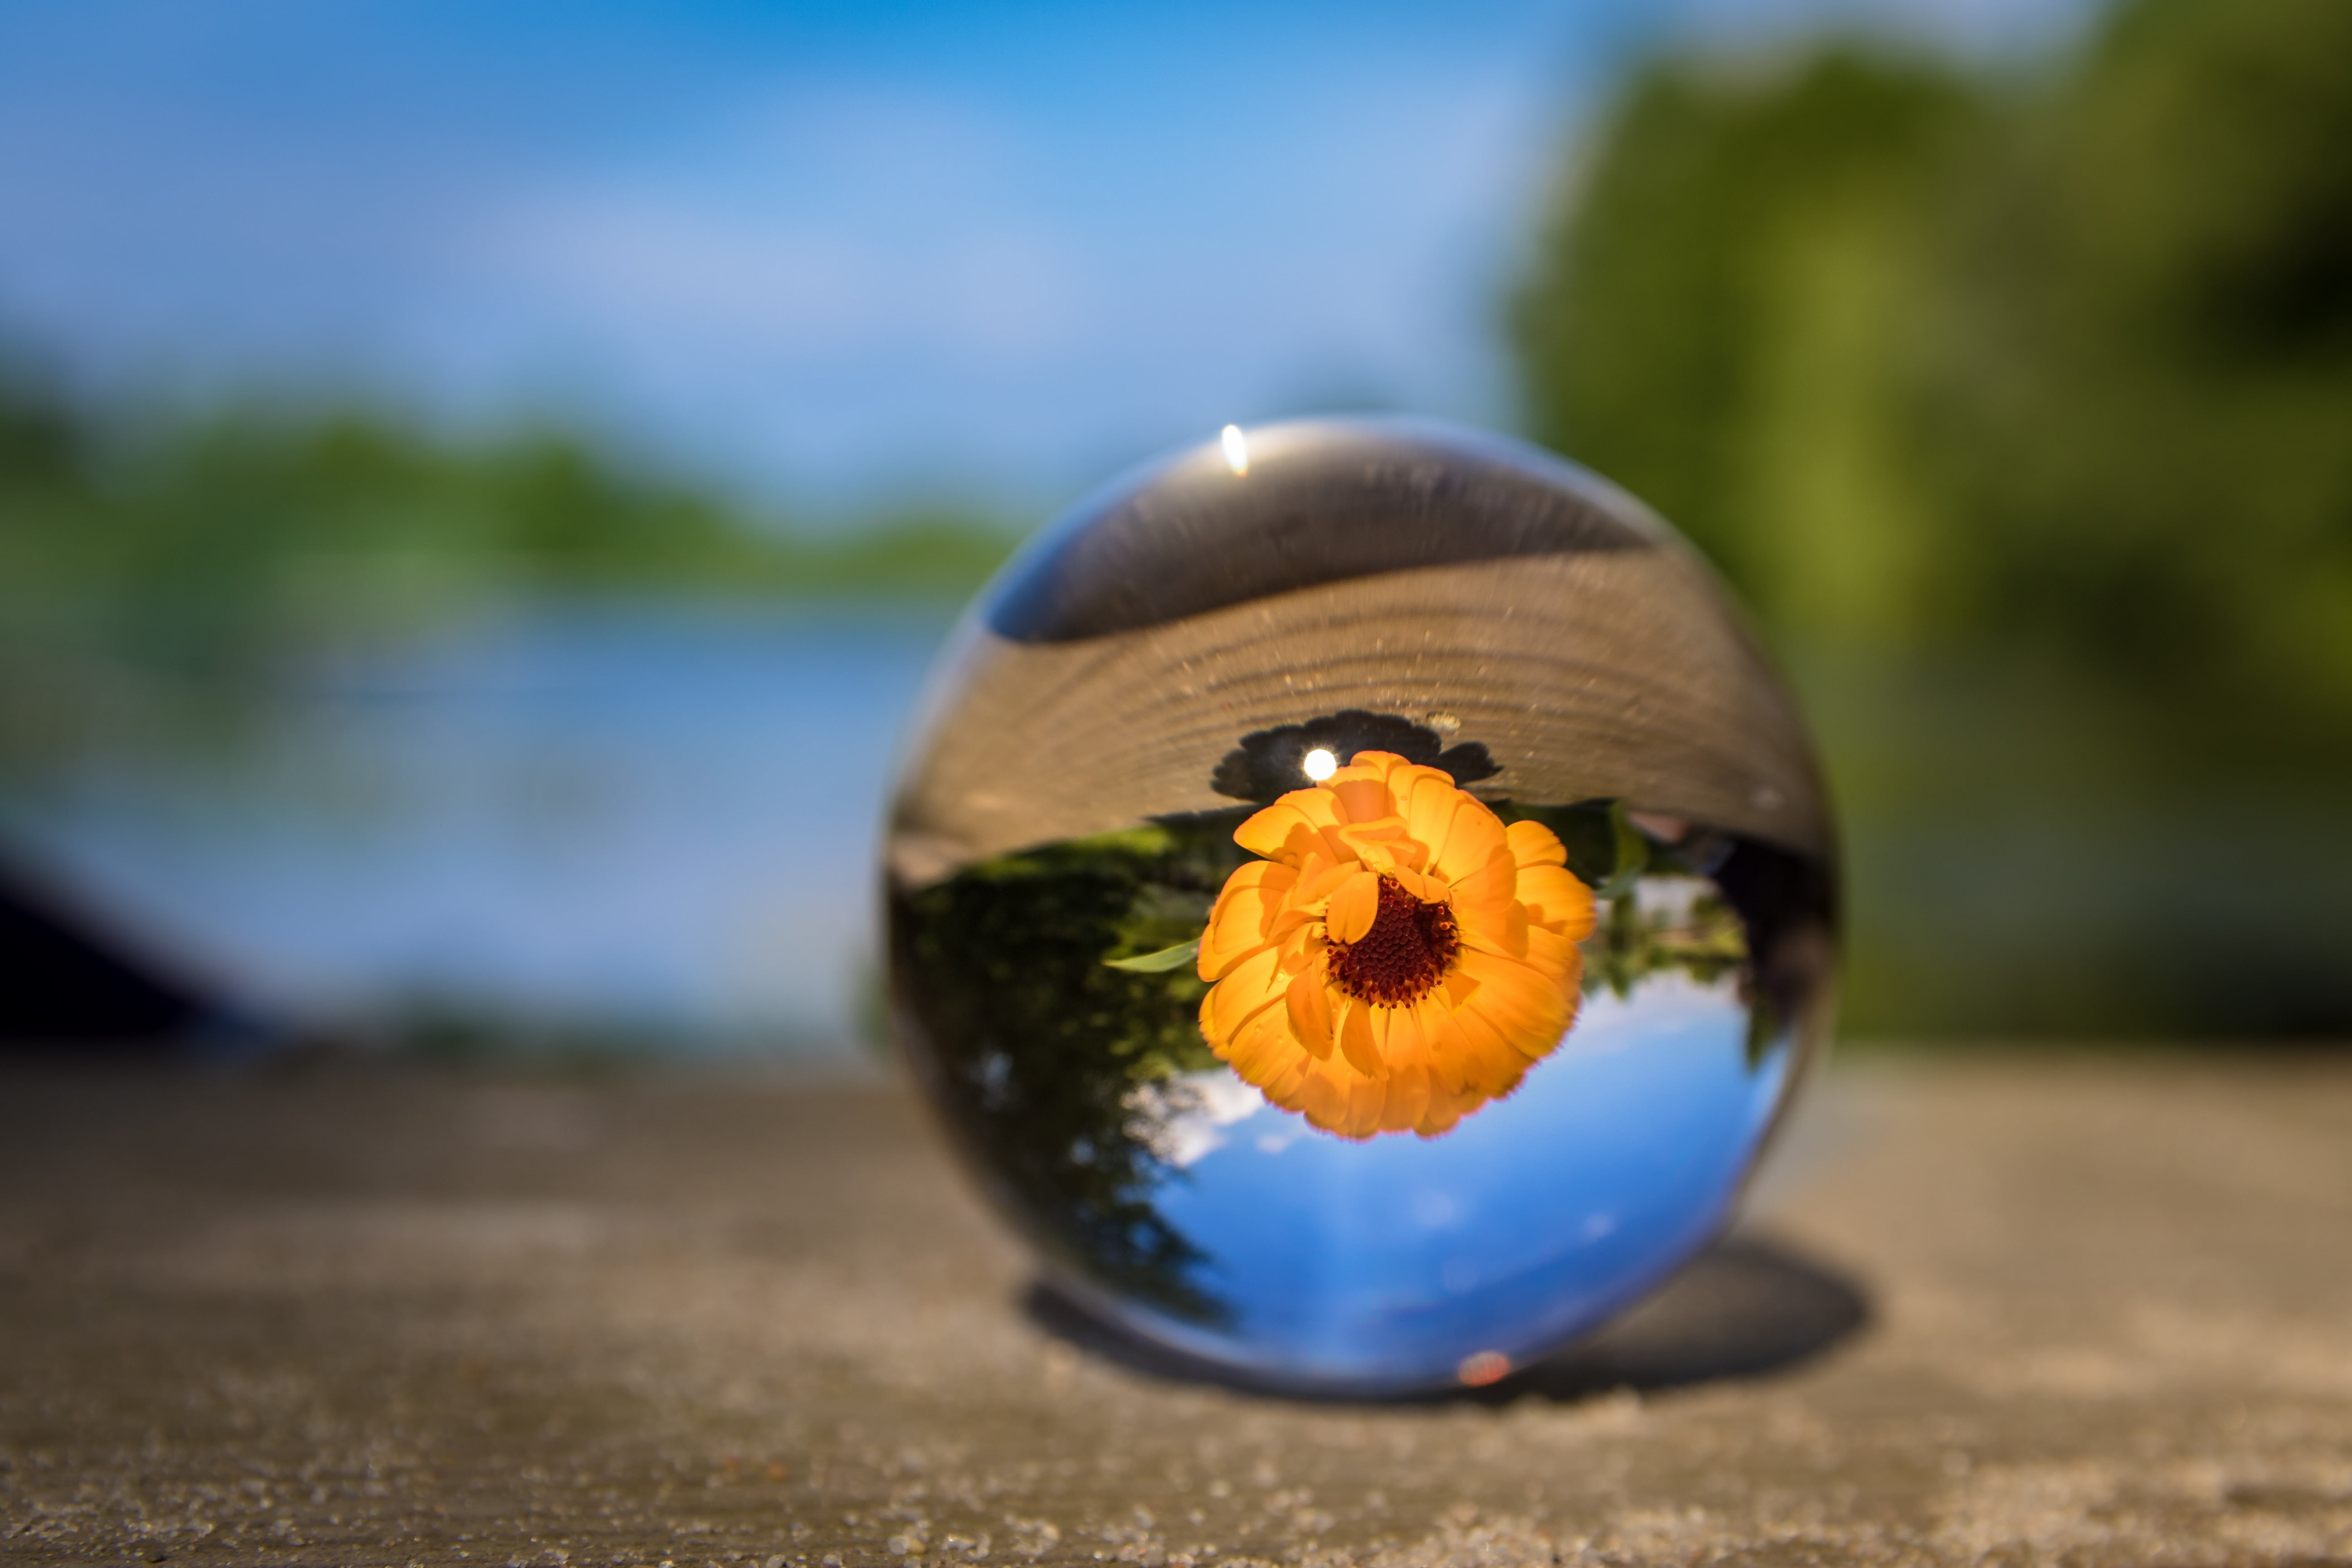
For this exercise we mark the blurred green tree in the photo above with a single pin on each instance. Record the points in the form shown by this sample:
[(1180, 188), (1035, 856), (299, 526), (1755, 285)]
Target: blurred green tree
[(2142, 395), (1721, 317), (2019, 404)]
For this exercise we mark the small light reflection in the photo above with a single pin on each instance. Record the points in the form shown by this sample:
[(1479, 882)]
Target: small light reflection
[(1236, 449), (1320, 763)]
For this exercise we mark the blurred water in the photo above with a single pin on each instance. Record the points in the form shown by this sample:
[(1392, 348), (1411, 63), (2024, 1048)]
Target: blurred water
[(654, 822)]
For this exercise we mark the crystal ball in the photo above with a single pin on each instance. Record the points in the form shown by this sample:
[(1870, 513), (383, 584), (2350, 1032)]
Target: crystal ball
[(1361, 901)]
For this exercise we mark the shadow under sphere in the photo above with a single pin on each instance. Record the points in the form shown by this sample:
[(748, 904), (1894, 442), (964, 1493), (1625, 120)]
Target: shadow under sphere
[(1748, 1306)]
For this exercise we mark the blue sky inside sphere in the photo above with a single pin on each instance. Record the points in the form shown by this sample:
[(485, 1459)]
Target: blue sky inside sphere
[(847, 257)]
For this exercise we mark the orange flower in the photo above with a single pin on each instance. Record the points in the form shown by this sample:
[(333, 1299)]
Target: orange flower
[(1399, 958)]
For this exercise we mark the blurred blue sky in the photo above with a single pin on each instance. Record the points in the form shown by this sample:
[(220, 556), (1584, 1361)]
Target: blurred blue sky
[(855, 255)]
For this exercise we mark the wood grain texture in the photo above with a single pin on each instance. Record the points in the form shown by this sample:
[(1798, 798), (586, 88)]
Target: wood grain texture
[(1601, 674)]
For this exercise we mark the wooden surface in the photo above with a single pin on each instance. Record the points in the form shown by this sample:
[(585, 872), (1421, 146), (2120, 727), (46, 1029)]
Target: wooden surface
[(2003, 1310), (1607, 674)]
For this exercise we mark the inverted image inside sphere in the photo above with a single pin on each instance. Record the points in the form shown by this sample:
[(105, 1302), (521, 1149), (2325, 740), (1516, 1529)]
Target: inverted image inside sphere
[(1361, 900)]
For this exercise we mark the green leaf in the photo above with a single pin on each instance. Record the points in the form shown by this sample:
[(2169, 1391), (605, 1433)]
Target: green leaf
[(1160, 962)]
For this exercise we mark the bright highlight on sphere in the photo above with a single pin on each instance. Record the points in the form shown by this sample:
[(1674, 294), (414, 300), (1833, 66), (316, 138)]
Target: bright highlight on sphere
[(1236, 449), (1364, 923)]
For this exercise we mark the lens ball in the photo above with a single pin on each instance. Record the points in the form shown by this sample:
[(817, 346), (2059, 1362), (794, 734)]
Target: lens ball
[(1363, 902)]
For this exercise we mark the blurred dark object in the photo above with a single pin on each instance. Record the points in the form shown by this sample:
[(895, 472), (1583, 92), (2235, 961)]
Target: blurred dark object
[(1269, 763), (2021, 408), (67, 982)]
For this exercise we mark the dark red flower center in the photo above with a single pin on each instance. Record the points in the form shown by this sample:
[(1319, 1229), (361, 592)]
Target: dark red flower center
[(1409, 949)]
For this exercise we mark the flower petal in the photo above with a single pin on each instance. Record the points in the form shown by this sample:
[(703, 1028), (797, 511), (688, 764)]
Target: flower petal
[(1363, 1108), (1425, 799), (1529, 1009), (1428, 809), (1533, 844), (1396, 1035), (1446, 1056), (1499, 928), (1271, 831), (1308, 1003), (1321, 879), (1552, 954), (1475, 837), (1557, 900), (1251, 986), (1477, 1049), (1355, 905), (1261, 874), (1356, 1041), (1362, 794), (1286, 1080), (1289, 922), (1428, 889), (1260, 1047), (1243, 919), (1332, 843), (1407, 1098), (1407, 778), (1444, 1110), (1492, 882), (1322, 1095)]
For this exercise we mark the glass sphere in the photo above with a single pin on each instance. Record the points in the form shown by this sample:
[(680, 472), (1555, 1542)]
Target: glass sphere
[(1361, 901)]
